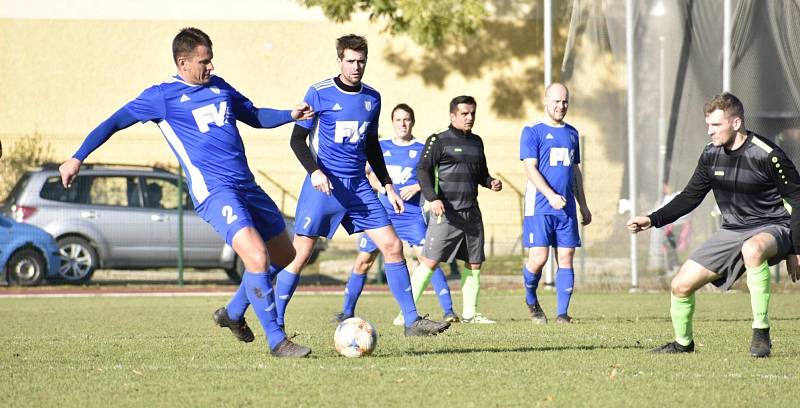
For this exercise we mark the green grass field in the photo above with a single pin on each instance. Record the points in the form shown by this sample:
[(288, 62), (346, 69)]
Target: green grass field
[(157, 351)]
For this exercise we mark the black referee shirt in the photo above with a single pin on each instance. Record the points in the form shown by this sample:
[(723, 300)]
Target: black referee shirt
[(750, 185), (452, 166)]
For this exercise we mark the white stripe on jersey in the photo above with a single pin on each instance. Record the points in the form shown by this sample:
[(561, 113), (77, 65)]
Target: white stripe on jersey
[(323, 84), (532, 124), (198, 183), (529, 207), (314, 136)]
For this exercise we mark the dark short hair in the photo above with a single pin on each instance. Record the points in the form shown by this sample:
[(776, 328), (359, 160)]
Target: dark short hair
[(351, 42), (187, 41), (404, 107), (726, 102), (461, 99)]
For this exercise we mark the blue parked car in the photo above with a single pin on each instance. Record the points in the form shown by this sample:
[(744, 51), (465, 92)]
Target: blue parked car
[(28, 254)]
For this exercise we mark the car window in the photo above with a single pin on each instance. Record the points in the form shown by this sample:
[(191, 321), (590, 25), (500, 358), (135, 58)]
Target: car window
[(121, 191), (163, 193), (77, 194)]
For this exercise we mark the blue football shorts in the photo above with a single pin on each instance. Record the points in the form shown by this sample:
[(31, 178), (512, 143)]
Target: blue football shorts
[(352, 204), (410, 227), (231, 208), (550, 230)]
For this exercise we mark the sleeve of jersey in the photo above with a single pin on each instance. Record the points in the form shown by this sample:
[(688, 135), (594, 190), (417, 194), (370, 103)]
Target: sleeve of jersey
[(301, 150), (691, 196), (121, 119), (150, 105), (311, 98), (426, 166), (260, 118), (376, 161), (528, 146), (787, 180), (484, 177)]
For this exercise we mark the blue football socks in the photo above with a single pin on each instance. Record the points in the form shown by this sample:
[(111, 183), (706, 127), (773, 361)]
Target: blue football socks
[(400, 285), (439, 282), (352, 292), (262, 297), (285, 284), (531, 284), (238, 303), (565, 279)]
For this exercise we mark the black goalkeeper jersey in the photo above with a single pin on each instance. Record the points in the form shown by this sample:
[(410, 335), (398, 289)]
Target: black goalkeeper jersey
[(452, 166), (754, 185)]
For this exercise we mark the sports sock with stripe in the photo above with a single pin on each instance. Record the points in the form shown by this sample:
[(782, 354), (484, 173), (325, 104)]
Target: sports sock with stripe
[(565, 281), (355, 284), (531, 281), (400, 285), (262, 297), (238, 303), (442, 289), (285, 284)]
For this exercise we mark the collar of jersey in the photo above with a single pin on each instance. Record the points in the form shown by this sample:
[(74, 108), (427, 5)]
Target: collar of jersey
[(409, 143), (341, 86), (177, 78)]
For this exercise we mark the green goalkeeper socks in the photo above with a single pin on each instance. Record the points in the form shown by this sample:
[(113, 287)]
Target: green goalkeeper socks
[(420, 280), (470, 288), (758, 280), (682, 311)]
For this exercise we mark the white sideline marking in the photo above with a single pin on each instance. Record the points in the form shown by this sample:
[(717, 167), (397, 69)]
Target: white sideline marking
[(157, 294)]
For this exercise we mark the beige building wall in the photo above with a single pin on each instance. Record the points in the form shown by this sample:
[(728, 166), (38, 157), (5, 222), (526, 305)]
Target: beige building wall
[(64, 76)]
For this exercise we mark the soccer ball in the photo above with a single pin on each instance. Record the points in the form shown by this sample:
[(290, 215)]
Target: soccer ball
[(355, 337)]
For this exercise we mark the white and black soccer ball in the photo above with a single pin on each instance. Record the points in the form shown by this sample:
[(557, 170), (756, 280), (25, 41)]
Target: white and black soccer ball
[(355, 337)]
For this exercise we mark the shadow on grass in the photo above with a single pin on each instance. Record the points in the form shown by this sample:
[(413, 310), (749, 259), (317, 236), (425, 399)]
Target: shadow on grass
[(528, 349)]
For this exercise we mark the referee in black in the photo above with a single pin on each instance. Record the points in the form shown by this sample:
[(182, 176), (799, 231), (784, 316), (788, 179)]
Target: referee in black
[(750, 177), (452, 167)]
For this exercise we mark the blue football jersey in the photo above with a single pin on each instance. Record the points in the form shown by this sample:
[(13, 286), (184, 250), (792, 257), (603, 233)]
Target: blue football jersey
[(401, 163), (199, 123), (556, 149), (337, 131)]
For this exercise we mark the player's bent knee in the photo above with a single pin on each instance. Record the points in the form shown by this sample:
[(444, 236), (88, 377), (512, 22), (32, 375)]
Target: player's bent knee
[(752, 253), (681, 288), (255, 261), (392, 250)]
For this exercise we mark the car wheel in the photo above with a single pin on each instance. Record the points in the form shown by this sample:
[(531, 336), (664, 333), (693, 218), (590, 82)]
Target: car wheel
[(78, 259), (26, 267), (237, 271)]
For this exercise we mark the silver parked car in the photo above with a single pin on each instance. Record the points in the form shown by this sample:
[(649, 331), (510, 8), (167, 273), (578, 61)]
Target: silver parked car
[(123, 217)]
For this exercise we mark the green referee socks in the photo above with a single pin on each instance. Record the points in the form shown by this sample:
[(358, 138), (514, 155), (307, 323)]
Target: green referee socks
[(420, 280), (682, 311), (470, 287), (758, 280)]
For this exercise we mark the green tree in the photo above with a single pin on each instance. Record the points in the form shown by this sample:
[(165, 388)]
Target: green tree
[(429, 23), (25, 152)]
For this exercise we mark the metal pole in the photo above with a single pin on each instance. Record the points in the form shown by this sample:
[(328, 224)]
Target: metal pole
[(548, 42), (726, 47), (630, 57), (549, 266), (180, 226)]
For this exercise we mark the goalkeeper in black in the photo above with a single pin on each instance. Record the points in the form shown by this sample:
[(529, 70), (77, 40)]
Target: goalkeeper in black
[(755, 186)]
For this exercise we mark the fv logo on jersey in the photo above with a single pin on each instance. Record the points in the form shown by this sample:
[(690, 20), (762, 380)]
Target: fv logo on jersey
[(368, 106), (209, 114)]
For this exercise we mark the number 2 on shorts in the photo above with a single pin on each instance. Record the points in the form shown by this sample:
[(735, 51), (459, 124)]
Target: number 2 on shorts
[(227, 212)]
